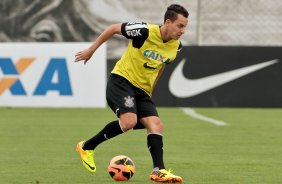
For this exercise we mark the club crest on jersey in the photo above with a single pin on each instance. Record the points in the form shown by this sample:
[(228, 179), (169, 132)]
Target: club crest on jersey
[(129, 101), (155, 56)]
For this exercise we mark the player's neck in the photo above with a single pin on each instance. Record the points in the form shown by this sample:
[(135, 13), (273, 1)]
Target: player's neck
[(164, 34)]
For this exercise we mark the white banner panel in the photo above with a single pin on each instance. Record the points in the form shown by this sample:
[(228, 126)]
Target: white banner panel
[(45, 75)]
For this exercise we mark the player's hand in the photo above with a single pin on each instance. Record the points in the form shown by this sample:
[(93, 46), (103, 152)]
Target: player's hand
[(84, 55)]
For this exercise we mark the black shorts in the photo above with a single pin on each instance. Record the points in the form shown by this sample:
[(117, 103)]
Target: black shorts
[(123, 97)]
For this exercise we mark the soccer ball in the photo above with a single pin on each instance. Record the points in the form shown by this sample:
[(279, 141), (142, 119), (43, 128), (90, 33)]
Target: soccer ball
[(121, 168)]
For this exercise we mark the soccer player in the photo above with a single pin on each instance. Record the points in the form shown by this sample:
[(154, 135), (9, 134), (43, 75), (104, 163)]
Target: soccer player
[(132, 81)]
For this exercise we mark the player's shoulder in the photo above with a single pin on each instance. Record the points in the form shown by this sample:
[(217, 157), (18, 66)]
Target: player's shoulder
[(153, 28)]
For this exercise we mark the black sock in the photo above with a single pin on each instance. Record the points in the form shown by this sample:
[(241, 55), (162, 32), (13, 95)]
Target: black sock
[(111, 130), (155, 145)]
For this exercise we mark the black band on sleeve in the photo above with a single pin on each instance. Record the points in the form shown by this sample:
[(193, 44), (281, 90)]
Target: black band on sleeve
[(137, 31), (179, 47)]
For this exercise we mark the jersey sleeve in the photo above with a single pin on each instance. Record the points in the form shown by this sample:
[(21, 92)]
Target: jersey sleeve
[(135, 30)]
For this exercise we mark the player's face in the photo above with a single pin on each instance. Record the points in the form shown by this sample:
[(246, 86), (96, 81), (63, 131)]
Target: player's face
[(177, 28)]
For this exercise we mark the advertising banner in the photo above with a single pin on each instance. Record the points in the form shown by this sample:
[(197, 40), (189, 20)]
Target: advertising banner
[(214, 76), (45, 75)]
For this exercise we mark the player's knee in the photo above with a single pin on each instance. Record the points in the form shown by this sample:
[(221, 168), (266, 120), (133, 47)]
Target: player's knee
[(127, 125), (153, 125), (127, 121), (158, 126)]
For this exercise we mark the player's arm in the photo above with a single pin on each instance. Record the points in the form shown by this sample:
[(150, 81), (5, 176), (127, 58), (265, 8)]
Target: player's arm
[(86, 54)]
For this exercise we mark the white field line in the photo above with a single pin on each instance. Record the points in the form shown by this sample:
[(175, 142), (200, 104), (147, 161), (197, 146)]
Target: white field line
[(191, 112)]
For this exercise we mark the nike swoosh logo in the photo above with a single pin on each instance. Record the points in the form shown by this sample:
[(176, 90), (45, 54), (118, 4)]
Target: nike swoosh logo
[(92, 168), (118, 169), (183, 87), (149, 67)]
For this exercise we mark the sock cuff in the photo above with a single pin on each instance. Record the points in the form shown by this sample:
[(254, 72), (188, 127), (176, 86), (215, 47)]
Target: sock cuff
[(153, 135), (119, 122)]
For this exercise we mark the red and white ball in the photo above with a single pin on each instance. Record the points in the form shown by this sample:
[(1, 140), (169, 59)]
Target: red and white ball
[(121, 168)]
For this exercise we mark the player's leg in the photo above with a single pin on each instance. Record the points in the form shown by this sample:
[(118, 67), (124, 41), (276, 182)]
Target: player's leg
[(148, 116), (155, 145), (154, 139), (126, 122), (112, 129), (120, 99)]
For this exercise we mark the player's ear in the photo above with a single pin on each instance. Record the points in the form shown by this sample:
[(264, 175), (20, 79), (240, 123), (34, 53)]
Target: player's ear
[(167, 22)]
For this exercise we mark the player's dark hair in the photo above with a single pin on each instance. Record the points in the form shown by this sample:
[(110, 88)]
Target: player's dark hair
[(173, 10)]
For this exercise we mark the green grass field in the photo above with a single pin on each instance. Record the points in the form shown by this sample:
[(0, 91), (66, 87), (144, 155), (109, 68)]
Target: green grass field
[(38, 146)]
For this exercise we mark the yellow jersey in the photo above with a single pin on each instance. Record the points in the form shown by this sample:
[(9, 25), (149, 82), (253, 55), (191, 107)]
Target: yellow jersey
[(145, 55)]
